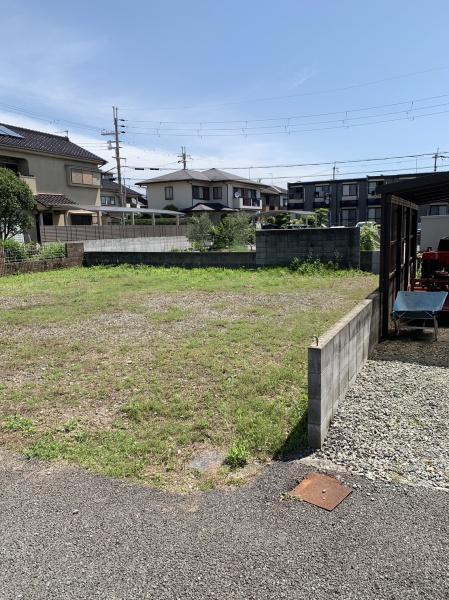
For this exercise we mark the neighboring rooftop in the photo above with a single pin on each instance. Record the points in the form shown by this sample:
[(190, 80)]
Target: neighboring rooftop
[(208, 207), (54, 200), (20, 138), (109, 185), (209, 175)]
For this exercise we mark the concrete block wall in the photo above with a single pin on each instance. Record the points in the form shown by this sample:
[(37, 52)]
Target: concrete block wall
[(227, 260), (281, 246), (334, 363), (370, 261)]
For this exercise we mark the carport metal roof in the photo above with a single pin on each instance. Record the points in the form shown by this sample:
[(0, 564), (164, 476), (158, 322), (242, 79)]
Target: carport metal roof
[(422, 190)]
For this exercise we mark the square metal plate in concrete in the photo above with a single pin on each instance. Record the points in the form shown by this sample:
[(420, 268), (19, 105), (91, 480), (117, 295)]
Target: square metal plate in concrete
[(321, 490)]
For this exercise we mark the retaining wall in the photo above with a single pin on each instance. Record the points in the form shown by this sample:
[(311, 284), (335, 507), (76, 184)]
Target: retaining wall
[(280, 246), (334, 363), (227, 260), (74, 253)]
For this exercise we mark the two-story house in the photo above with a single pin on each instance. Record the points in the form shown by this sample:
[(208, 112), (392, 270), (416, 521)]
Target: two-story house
[(112, 194), (215, 190), (62, 176), (351, 200)]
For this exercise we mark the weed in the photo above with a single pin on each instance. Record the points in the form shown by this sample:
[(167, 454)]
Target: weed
[(237, 456), (18, 423)]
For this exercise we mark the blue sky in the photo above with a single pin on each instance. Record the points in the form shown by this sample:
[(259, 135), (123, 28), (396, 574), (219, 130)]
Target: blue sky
[(251, 65)]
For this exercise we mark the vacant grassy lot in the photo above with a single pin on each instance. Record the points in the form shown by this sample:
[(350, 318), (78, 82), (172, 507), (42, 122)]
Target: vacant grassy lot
[(131, 372)]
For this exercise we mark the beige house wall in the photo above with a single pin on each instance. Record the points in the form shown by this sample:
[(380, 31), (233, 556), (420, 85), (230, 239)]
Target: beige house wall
[(182, 194), (51, 176)]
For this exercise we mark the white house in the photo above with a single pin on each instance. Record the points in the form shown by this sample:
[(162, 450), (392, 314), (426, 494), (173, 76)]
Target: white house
[(215, 189)]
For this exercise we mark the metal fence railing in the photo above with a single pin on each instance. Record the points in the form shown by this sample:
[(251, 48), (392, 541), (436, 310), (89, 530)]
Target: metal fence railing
[(12, 251)]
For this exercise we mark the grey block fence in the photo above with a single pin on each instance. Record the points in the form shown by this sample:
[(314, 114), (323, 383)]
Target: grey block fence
[(334, 363)]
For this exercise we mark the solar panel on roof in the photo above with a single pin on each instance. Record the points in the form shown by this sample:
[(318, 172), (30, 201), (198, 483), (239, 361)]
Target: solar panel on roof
[(5, 131)]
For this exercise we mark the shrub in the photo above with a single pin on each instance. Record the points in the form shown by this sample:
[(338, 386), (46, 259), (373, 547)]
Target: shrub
[(50, 251), (199, 231), (237, 456), (14, 251), (369, 237), (233, 230), (171, 207), (322, 217)]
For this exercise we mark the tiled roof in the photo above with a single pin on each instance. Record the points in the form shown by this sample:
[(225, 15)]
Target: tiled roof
[(209, 176), (48, 143), (108, 185), (54, 200)]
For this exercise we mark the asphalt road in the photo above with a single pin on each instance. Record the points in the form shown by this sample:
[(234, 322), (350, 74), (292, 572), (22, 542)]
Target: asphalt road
[(69, 534)]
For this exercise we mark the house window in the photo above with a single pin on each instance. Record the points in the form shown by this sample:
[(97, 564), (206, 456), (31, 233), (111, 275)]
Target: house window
[(372, 185), (348, 217), (200, 192), (84, 177), (108, 200), (322, 191), (250, 197), (438, 209), (10, 166), (81, 219), (217, 193), (350, 189), (374, 214), (47, 218), (169, 192)]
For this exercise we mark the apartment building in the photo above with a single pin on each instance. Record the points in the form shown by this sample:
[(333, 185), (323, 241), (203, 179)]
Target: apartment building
[(351, 200)]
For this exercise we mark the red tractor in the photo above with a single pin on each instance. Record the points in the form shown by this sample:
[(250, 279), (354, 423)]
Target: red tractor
[(434, 268)]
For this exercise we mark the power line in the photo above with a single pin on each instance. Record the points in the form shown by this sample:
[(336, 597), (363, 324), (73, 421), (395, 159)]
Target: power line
[(310, 164), (289, 131), (346, 112)]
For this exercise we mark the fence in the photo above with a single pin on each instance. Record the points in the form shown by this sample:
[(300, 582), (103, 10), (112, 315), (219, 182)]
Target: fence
[(79, 233)]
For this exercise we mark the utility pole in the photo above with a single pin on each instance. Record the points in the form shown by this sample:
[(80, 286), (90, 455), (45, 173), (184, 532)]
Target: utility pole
[(118, 129), (183, 157), (436, 156)]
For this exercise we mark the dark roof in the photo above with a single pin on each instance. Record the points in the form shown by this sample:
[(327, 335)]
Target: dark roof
[(348, 179), (429, 188), (54, 200), (209, 175), (47, 143), (108, 185), (208, 207), (273, 190)]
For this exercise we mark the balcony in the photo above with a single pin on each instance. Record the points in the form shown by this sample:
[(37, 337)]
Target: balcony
[(30, 180)]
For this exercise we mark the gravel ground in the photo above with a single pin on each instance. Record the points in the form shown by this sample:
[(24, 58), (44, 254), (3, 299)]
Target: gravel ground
[(67, 534), (394, 422)]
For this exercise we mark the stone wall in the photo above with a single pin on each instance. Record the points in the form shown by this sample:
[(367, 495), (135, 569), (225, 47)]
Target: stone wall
[(74, 253), (226, 260), (280, 246), (334, 363)]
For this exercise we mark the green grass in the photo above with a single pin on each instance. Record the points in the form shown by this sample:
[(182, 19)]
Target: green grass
[(131, 371)]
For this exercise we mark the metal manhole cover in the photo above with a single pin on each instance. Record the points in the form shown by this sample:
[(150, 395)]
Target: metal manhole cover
[(321, 490)]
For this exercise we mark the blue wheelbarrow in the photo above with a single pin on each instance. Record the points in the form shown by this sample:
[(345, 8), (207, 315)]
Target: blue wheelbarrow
[(418, 306)]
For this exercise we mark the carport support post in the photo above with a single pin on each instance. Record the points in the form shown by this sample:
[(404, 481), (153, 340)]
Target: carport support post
[(385, 242), (153, 219)]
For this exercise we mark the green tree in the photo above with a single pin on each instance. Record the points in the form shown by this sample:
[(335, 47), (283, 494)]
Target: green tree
[(16, 203), (282, 219), (233, 230), (322, 217), (199, 231), (369, 237), (171, 207)]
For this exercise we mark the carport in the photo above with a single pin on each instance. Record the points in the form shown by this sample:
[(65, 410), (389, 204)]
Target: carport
[(399, 227)]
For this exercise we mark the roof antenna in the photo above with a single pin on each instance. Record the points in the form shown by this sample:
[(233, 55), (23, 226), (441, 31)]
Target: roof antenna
[(66, 131)]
